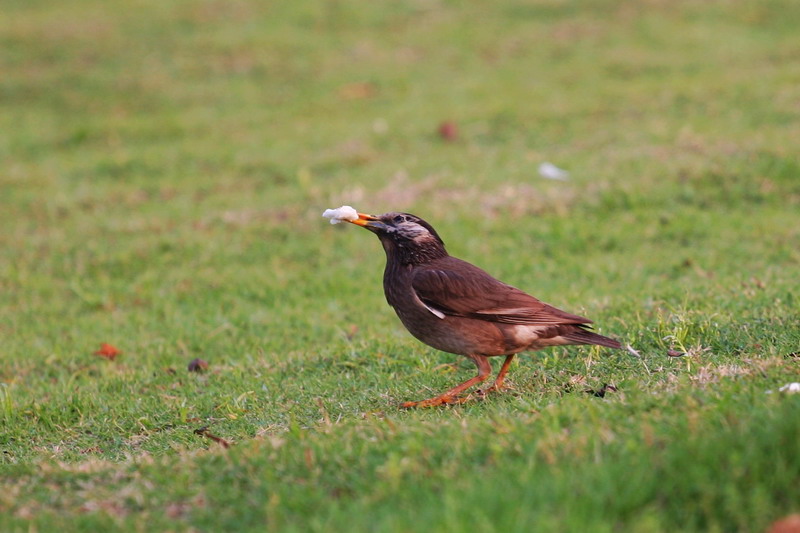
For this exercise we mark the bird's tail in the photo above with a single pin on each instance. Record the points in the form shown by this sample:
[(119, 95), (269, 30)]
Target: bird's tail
[(582, 336)]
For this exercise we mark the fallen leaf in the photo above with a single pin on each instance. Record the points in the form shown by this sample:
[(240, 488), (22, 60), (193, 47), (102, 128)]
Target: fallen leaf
[(197, 365), (787, 524), (107, 351), (448, 130)]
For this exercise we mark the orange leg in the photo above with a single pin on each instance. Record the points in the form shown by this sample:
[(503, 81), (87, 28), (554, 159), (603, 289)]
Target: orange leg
[(451, 396), (501, 376)]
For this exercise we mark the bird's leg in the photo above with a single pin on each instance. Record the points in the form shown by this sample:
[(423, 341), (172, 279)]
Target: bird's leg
[(501, 376), (451, 396)]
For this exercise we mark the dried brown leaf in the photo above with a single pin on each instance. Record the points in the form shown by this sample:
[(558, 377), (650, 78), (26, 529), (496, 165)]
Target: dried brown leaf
[(197, 365), (788, 524), (448, 131)]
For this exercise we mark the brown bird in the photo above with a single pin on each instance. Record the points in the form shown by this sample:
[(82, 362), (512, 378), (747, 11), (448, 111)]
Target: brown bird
[(456, 307)]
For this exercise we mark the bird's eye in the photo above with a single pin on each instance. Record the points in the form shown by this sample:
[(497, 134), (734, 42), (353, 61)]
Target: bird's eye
[(398, 219)]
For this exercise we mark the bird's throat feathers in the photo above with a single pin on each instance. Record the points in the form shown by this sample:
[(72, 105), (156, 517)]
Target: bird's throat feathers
[(421, 250)]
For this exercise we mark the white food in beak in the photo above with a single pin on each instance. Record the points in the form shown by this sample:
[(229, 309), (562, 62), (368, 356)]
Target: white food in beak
[(341, 214)]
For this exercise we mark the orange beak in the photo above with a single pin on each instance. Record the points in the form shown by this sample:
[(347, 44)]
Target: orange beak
[(370, 222), (363, 219)]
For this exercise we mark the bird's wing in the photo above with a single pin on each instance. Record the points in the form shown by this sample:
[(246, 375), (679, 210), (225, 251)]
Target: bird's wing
[(457, 288)]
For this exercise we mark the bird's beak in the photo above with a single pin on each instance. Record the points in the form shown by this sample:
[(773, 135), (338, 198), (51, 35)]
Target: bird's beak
[(370, 222)]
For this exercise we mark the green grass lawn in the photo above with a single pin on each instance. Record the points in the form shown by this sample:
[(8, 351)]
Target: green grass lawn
[(164, 169)]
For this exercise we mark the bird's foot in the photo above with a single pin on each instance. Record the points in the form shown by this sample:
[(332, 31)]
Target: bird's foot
[(497, 387), (433, 402)]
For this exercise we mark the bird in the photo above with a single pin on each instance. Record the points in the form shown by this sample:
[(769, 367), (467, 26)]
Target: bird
[(456, 307)]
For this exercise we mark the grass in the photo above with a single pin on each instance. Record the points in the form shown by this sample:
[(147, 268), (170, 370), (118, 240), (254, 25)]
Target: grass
[(164, 171)]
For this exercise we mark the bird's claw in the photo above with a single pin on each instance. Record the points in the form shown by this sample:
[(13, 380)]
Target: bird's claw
[(433, 402)]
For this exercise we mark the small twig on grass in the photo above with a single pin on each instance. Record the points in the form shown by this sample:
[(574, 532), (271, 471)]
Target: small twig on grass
[(638, 356), (325, 417), (206, 433)]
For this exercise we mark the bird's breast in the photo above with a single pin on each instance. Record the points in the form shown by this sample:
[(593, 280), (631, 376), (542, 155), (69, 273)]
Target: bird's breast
[(444, 332)]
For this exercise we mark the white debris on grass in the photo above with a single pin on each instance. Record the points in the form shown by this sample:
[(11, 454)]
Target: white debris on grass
[(550, 171), (341, 214), (789, 388)]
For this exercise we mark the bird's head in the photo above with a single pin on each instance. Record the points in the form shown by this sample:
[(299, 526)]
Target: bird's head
[(404, 235)]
